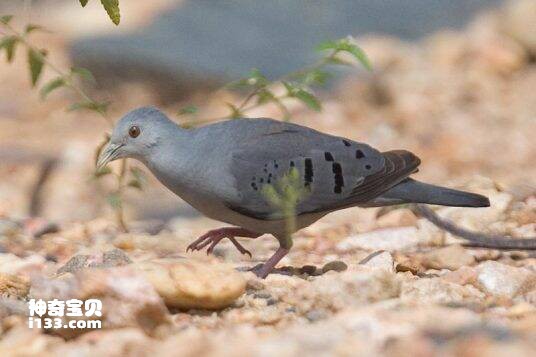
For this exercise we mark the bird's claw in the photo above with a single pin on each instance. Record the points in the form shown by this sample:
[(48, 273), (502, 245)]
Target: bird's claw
[(212, 238)]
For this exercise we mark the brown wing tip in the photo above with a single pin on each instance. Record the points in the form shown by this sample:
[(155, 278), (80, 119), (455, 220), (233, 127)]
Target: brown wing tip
[(409, 158)]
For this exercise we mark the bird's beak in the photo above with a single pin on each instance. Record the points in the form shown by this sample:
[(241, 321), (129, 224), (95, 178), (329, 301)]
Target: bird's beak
[(109, 153)]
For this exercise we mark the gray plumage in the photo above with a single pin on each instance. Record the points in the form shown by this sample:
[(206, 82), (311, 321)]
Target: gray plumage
[(220, 169)]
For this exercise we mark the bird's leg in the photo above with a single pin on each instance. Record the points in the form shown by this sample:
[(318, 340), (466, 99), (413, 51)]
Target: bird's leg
[(269, 265), (285, 243), (213, 237)]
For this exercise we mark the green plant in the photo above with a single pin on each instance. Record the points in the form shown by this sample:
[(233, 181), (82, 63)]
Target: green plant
[(111, 7), (37, 62), (287, 192), (285, 195), (297, 85)]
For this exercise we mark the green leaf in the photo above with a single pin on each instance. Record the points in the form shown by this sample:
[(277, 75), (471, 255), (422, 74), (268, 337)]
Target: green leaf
[(308, 99), (254, 79), (135, 184), (317, 77), (303, 95), (99, 107), (35, 62), (360, 55), (31, 28), (346, 45), (265, 96), (114, 200), (51, 86), (112, 8), (84, 73), (190, 109), (339, 61), (138, 175), (328, 45), (83, 2), (102, 172), (9, 43), (235, 112), (6, 19)]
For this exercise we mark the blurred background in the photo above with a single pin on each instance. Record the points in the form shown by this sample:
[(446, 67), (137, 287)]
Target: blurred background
[(453, 81)]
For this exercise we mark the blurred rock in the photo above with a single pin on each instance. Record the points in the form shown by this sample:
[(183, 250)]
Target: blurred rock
[(11, 306), (397, 218), (462, 276), (9, 228), (382, 239), (384, 261), (13, 286), (504, 280), (437, 291), (336, 265), (128, 299), (116, 343), (23, 341), (350, 288), (451, 257), (519, 21), (191, 284), (11, 264), (199, 44), (111, 258), (411, 263), (36, 227)]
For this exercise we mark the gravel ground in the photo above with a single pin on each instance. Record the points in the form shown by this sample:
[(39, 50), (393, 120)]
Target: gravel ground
[(359, 282)]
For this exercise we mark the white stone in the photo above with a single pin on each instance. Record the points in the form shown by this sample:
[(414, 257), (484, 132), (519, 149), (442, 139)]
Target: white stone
[(382, 261), (504, 280), (386, 239)]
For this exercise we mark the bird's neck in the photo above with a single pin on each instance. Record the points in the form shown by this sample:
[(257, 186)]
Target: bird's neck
[(171, 161)]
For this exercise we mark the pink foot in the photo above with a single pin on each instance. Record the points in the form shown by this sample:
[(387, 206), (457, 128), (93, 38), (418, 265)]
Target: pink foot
[(213, 237), (264, 270)]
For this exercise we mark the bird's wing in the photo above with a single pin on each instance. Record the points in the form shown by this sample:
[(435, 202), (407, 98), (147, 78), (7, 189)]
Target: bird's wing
[(334, 172)]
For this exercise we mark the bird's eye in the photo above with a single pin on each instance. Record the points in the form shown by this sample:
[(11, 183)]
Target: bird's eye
[(134, 131)]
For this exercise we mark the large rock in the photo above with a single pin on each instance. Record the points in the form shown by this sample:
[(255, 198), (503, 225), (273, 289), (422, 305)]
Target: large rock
[(201, 43), (504, 280), (451, 257), (519, 21), (128, 299), (190, 284), (438, 291)]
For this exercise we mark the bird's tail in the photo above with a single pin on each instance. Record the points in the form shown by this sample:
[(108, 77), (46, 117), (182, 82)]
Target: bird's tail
[(412, 191)]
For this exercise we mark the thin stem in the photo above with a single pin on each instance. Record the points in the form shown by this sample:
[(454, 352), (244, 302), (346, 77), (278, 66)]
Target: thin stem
[(243, 108), (120, 213), (58, 71), (67, 77)]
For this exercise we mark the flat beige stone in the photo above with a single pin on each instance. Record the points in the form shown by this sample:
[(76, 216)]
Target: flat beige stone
[(189, 284)]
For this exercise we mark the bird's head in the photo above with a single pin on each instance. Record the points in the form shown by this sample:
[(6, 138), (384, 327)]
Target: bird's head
[(136, 135)]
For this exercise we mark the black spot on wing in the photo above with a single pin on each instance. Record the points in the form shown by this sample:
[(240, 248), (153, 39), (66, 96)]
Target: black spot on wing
[(339, 179), (359, 154), (346, 142), (308, 172), (328, 156)]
